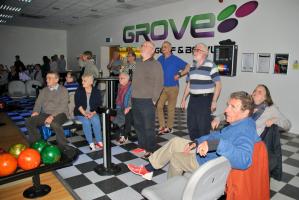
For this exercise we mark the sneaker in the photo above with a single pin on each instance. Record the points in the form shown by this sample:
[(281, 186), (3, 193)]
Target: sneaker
[(122, 139), (161, 130), (141, 170), (99, 145), (137, 151), (92, 147), (167, 130)]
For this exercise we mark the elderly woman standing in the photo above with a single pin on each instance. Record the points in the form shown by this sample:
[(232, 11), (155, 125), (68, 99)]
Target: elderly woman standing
[(87, 102)]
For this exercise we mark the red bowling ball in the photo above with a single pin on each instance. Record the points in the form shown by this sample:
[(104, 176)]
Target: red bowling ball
[(8, 164), (29, 159)]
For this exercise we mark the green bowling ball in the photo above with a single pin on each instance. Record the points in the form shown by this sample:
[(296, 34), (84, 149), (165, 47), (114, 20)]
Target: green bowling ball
[(50, 154), (39, 145), (16, 149)]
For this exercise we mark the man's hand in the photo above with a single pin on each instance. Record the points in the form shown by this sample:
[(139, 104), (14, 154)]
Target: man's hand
[(215, 123), (49, 119), (176, 77), (203, 148), (213, 106), (183, 104), (189, 147), (34, 114), (127, 110)]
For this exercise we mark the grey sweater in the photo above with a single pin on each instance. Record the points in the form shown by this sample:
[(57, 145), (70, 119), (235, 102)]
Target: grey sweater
[(147, 80), (52, 102)]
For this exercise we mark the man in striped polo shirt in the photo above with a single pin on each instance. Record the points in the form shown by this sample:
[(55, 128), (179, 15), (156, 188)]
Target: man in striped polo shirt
[(203, 86)]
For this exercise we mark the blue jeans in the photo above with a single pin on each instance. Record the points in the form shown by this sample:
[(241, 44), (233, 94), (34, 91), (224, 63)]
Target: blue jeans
[(90, 125)]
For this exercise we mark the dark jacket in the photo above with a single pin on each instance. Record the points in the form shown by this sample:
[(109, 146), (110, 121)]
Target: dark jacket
[(81, 100), (271, 137)]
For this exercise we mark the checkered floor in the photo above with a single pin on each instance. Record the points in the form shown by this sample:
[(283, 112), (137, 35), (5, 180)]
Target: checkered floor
[(84, 183)]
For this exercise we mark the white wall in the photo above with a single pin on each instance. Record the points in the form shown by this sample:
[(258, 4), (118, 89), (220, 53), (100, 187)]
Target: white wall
[(30, 43), (272, 28)]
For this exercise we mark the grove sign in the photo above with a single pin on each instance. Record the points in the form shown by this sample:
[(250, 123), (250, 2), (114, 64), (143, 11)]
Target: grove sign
[(198, 25)]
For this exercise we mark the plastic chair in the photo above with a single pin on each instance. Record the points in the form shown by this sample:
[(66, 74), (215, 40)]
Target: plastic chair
[(16, 89), (30, 91), (206, 183)]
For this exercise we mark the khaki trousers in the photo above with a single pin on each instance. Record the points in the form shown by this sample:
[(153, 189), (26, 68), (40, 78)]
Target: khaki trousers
[(169, 94), (172, 153)]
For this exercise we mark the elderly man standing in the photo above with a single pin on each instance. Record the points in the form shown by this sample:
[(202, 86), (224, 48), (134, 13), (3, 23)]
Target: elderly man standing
[(51, 108), (173, 68), (146, 88), (204, 86), (235, 142)]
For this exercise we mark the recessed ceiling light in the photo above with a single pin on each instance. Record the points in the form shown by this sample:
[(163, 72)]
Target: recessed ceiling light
[(10, 8), (94, 10), (26, 1), (6, 16), (55, 8), (120, 1)]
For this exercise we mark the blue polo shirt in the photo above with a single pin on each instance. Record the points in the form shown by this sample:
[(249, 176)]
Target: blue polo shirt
[(171, 66)]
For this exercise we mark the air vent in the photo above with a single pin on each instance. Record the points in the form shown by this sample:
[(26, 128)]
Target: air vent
[(126, 6), (55, 8), (94, 16), (32, 16)]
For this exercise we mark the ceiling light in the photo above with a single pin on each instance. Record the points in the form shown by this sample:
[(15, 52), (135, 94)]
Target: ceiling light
[(26, 1), (6, 16), (10, 8)]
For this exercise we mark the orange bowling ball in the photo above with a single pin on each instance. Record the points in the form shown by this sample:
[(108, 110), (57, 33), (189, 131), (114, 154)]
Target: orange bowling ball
[(29, 159), (8, 164)]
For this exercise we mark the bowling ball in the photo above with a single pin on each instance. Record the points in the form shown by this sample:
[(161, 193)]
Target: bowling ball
[(50, 154), (8, 164), (29, 159), (16, 149), (39, 145)]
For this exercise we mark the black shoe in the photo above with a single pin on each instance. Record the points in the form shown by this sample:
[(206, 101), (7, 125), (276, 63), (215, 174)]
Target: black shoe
[(70, 153)]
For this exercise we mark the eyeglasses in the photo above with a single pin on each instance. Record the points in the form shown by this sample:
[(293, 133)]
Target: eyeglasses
[(198, 50)]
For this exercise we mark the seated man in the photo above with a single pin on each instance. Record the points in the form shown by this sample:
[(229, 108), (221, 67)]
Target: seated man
[(235, 142), (51, 108)]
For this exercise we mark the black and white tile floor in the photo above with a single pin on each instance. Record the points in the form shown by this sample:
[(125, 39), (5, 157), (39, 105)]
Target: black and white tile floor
[(84, 183)]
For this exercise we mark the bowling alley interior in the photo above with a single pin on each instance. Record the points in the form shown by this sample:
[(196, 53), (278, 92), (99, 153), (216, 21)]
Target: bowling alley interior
[(149, 99)]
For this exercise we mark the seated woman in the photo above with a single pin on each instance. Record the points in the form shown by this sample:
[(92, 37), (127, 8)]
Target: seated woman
[(87, 102), (123, 117), (265, 112)]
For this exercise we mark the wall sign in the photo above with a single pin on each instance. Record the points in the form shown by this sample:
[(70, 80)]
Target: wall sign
[(158, 30)]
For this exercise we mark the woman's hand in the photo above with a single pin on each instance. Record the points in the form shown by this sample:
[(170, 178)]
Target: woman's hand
[(215, 123), (270, 122)]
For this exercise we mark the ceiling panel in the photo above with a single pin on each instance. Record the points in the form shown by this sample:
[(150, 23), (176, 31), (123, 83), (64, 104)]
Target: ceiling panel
[(61, 14)]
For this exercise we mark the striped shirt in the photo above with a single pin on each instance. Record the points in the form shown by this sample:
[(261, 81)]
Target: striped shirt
[(71, 87), (202, 79)]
